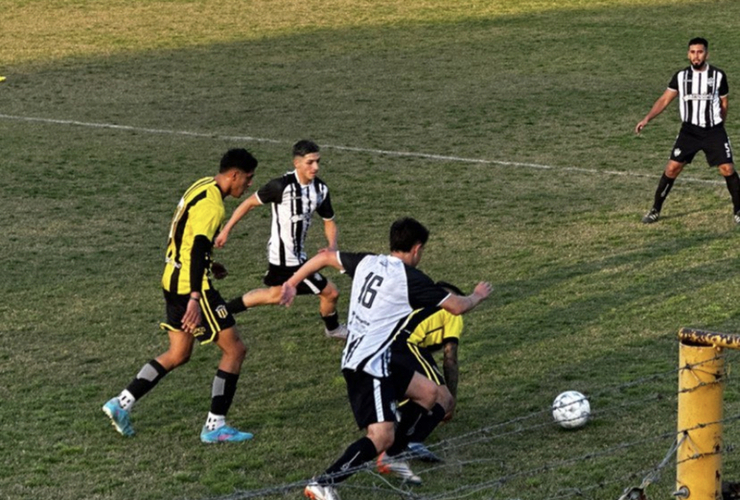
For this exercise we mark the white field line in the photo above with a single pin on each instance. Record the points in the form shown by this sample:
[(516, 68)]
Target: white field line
[(407, 154)]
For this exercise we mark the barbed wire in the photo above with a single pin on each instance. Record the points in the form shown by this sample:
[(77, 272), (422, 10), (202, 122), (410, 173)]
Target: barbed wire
[(500, 430)]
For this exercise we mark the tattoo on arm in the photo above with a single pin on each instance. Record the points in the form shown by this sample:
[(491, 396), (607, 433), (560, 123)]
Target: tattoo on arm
[(451, 367)]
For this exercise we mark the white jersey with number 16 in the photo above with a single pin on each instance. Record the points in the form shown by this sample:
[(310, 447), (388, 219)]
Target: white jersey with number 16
[(384, 292)]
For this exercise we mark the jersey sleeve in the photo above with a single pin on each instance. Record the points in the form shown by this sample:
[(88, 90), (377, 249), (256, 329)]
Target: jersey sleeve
[(673, 84), (205, 218), (350, 261), (724, 87), (325, 210), (423, 291), (272, 192)]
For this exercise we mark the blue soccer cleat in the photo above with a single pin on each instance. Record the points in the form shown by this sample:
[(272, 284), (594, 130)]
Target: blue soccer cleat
[(224, 434), (118, 417)]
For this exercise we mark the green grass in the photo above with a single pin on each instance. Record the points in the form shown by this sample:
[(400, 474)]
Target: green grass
[(585, 296)]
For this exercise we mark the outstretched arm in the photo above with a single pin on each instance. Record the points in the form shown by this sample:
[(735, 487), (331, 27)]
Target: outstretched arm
[(662, 103), (242, 210), (457, 304), (313, 265)]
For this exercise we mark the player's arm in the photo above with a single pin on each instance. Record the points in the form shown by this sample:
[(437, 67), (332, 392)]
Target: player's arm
[(660, 105), (326, 211), (198, 261), (450, 367), (331, 232), (723, 103), (457, 304), (451, 372), (313, 265), (242, 210)]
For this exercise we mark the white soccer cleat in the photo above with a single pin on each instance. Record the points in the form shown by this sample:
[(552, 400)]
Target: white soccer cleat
[(339, 332), (399, 468), (315, 491)]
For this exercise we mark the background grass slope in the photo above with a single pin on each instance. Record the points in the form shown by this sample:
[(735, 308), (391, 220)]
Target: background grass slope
[(585, 296)]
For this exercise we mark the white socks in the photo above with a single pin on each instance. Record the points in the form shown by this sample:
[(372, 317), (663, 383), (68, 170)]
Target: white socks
[(126, 399), (214, 422)]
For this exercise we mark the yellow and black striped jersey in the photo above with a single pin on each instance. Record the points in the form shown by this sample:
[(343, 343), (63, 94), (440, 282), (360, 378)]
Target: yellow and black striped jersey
[(200, 212), (433, 327)]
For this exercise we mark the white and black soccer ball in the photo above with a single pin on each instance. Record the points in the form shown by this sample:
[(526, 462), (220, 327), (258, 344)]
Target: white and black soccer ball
[(571, 409)]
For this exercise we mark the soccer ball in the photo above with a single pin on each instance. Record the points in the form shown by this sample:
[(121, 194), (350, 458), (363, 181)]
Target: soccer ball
[(571, 409)]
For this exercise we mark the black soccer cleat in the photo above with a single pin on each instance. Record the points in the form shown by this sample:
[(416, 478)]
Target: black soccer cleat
[(653, 215)]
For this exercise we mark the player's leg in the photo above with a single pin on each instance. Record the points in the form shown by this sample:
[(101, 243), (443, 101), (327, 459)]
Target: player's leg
[(671, 172), (687, 144), (733, 186), (719, 152), (426, 421), (255, 298), (119, 408), (262, 297), (233, 352), (418, 412), (358, 453), (372, 401), (378, 438), (273, 280), (328, 298), (328, 294), (428, 405)]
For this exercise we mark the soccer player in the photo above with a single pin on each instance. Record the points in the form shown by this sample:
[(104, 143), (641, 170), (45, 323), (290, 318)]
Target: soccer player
[(195, 310), (294, 198), (428, 330), (385, 290), (702, 91)]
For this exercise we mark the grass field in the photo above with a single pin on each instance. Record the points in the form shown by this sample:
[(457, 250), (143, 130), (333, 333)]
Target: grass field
[(504, 126)]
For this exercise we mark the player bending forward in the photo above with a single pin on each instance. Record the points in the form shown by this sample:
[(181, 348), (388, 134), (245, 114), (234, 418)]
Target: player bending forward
[(428, 330), (385, 290)]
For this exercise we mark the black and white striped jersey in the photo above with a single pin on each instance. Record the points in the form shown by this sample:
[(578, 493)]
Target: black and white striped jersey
[(699, 93), (384, 292), (293, 206)]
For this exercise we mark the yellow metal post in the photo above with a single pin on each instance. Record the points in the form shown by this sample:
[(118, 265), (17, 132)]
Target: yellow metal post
[(699, 456)]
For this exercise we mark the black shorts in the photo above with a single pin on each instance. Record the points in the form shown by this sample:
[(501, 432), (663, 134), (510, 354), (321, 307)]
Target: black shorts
[(408, 356), (277, 275), (212, 309), (713, 141), (372, 399)]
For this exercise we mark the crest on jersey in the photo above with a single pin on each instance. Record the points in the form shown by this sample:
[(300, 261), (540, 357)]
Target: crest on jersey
[(677, 152), (710, 82)]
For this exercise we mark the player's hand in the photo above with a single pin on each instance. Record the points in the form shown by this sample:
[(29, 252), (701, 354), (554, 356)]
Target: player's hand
[(287, 294), (448, 416), (327, 249), (221, 239), (219, 270), (483, 290), (192, 318), (640, 126)]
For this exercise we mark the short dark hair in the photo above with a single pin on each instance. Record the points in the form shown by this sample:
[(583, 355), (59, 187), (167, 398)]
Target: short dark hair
[(407, 232), (305, 147), (699, 41), (238, 158)]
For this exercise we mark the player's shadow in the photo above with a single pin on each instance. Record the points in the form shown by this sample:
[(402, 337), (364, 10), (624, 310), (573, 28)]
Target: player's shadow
[(539, 319)]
